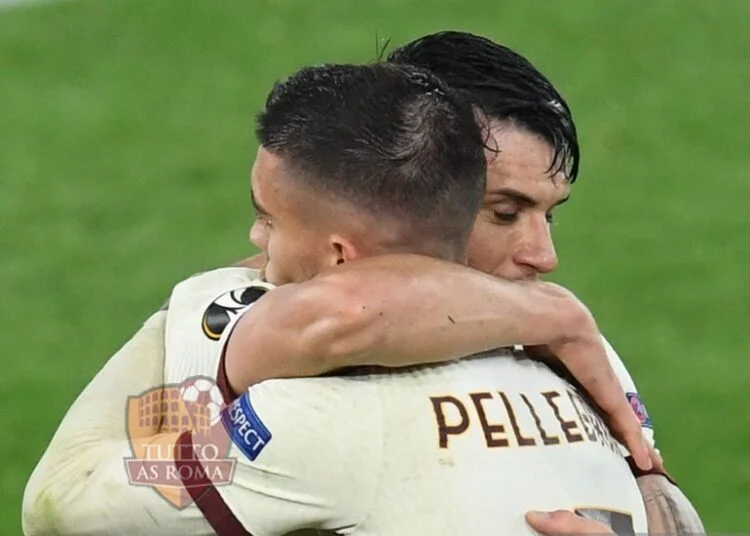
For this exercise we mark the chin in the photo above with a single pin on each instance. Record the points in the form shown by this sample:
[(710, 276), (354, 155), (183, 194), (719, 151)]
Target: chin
[(269, 274)]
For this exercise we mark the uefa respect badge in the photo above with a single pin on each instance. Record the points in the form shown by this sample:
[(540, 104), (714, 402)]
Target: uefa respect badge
[(155, 421)]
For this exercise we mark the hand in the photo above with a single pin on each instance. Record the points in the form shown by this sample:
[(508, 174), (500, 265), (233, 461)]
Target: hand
[(581, 350), (564, 522)]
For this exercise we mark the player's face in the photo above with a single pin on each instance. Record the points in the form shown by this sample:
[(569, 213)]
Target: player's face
[(295, 245), (512, 237)]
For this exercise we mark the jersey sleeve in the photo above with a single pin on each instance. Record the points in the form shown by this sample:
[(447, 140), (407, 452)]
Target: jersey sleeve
[(308, 454), (631, 391), (202, 311), (80, 486)]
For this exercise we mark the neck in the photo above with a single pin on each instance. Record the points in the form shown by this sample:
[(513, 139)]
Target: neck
[(438, 249)]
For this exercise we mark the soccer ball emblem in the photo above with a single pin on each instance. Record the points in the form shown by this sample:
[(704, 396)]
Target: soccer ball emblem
[(199, 393)]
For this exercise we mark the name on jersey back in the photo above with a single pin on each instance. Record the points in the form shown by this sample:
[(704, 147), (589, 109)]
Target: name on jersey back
[(512, 420)]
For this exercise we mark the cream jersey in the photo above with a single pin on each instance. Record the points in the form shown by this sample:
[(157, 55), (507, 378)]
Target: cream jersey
[(201, 310), (204, 308), (463, 447)]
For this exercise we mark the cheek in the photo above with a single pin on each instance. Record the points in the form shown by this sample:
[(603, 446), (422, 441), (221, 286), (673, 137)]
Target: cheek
[(279, 248), (489, 246), (290, 258), (280, 265)]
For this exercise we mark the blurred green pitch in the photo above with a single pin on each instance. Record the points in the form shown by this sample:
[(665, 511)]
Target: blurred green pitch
[(127, 137)]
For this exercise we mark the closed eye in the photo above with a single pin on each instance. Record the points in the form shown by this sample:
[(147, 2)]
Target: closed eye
[(506, 217)]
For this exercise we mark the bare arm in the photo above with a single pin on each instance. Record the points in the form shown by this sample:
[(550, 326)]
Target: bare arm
[(668, 510), (395, 311), (398, 310)]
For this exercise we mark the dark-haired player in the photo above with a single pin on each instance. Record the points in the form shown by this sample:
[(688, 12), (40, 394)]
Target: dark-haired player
[(533, 159), (387, 160)]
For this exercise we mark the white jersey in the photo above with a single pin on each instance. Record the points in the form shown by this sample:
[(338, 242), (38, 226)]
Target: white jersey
[(631, 391), (202, 309), (460, 448)]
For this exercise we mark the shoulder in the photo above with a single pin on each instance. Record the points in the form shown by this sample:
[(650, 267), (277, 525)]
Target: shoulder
[(631, 390), (220, 279), (217, 295), (317, 410), (336, 421), (202, 309), (315, 397), (217, 280), (307, 454)]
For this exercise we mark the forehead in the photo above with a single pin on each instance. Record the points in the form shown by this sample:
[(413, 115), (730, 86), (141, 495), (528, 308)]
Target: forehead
[(268, 182), (523, 163), (277, 191), (265, 168)]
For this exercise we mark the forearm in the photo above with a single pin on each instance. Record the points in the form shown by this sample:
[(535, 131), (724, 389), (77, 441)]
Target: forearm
[(400, 310), (668, 510), (83, 463), (438, 311), (392, 311)]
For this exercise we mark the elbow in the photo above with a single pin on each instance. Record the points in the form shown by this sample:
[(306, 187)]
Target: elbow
[(63, 507), (668, 510), (41, 515), (347, 325), (56, 500)]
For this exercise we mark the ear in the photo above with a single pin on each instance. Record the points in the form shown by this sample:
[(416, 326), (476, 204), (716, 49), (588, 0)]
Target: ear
[(345, 249)]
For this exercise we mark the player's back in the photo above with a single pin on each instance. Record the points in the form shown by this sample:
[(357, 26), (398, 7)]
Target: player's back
[(460, 448), (470, 446)]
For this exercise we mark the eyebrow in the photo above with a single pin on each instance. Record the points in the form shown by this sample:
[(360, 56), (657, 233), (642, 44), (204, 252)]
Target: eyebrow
[(259, 209), (521, 198)]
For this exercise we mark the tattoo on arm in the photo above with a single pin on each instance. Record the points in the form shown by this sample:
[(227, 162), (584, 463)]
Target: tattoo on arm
[(668, 510)]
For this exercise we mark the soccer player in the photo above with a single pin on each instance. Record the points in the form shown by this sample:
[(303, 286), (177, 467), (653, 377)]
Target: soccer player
[(533, 126), (360, 165), (411, 317), (529, 176)]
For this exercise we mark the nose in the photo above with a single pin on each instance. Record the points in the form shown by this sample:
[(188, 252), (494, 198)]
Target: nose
[(536, 250), (259, 235)]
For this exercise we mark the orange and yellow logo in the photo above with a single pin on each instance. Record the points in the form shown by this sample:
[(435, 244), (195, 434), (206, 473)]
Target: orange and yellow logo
[(157, 418)]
